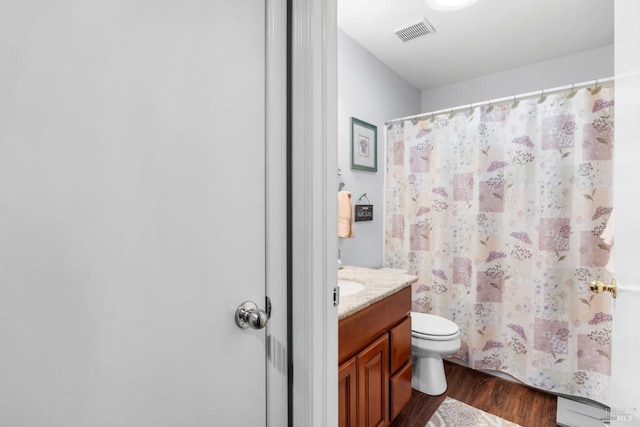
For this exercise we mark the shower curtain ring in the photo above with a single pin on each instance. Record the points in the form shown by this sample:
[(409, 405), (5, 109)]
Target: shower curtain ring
[(542, 97)]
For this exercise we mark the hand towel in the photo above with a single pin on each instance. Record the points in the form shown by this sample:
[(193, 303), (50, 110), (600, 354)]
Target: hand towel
[(345, 215)]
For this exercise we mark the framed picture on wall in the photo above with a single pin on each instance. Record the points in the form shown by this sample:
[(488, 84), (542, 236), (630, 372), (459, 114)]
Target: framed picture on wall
[(364, 146)]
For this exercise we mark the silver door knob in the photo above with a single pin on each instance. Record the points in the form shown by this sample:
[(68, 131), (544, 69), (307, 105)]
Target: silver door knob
[(249, 315)]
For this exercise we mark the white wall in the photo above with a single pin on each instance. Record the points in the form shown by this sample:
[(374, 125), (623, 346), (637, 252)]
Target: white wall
[(584, 66), (372, 92)]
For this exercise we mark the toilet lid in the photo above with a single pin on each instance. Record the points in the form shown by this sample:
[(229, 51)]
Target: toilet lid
[(430, 324)]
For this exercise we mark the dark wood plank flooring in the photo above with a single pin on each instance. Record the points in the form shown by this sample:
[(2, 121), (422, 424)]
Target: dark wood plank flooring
[(511, 401)]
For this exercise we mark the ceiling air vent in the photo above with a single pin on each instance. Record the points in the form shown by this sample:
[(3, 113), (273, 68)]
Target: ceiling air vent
[(414, 29)]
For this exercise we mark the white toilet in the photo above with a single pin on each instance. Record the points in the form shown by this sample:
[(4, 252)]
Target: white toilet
[(432, 338)]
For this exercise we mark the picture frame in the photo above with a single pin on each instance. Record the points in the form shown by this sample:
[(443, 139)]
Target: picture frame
[(364, 146)]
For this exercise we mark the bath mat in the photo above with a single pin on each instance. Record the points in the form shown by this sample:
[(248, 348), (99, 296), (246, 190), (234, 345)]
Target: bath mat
[(452, 413)]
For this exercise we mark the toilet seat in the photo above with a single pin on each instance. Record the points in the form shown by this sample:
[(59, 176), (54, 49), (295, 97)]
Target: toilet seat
[(432, 327), (435, 337)]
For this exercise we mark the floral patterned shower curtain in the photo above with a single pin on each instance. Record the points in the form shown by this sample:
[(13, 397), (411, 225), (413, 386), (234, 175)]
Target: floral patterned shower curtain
[(502, 212)]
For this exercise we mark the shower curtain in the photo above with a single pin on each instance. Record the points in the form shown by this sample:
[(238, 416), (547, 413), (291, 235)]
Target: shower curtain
[(502, 212)]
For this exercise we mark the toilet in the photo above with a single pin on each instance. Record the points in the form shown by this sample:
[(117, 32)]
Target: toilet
[(432, 338)]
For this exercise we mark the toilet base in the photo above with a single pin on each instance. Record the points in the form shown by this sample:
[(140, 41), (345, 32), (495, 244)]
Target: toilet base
[(428, 376)]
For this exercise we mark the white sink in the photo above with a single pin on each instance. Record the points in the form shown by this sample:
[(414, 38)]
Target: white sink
[(349, 287)]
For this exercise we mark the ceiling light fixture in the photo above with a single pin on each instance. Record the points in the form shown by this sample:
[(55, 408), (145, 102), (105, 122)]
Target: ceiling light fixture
[(449, 4)]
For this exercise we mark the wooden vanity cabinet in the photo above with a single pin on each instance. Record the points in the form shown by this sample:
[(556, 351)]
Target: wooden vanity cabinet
[(374, 356)]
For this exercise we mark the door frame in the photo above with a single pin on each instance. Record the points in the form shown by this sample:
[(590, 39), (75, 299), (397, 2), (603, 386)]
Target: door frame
[(314, 189), (277, 382)]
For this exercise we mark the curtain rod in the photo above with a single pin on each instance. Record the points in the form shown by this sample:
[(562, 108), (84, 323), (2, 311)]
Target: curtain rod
[(595, 82)]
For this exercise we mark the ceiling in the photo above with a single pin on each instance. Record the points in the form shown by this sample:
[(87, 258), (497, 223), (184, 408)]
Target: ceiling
[(488, 37)]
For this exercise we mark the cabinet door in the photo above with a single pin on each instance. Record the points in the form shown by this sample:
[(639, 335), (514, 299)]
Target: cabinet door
[(373, 384), (347, 412)]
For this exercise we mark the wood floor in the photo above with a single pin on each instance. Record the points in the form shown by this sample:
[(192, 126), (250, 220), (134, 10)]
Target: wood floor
[(513, 402)]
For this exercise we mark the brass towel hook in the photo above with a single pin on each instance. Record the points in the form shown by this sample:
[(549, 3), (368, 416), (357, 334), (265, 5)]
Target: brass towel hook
[(598, 286)]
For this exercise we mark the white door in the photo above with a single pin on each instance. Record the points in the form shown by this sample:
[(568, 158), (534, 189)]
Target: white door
[(625, 381), (132, 212)]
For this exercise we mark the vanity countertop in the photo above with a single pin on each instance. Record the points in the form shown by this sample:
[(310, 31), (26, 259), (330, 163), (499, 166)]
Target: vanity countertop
[(378, 284)]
